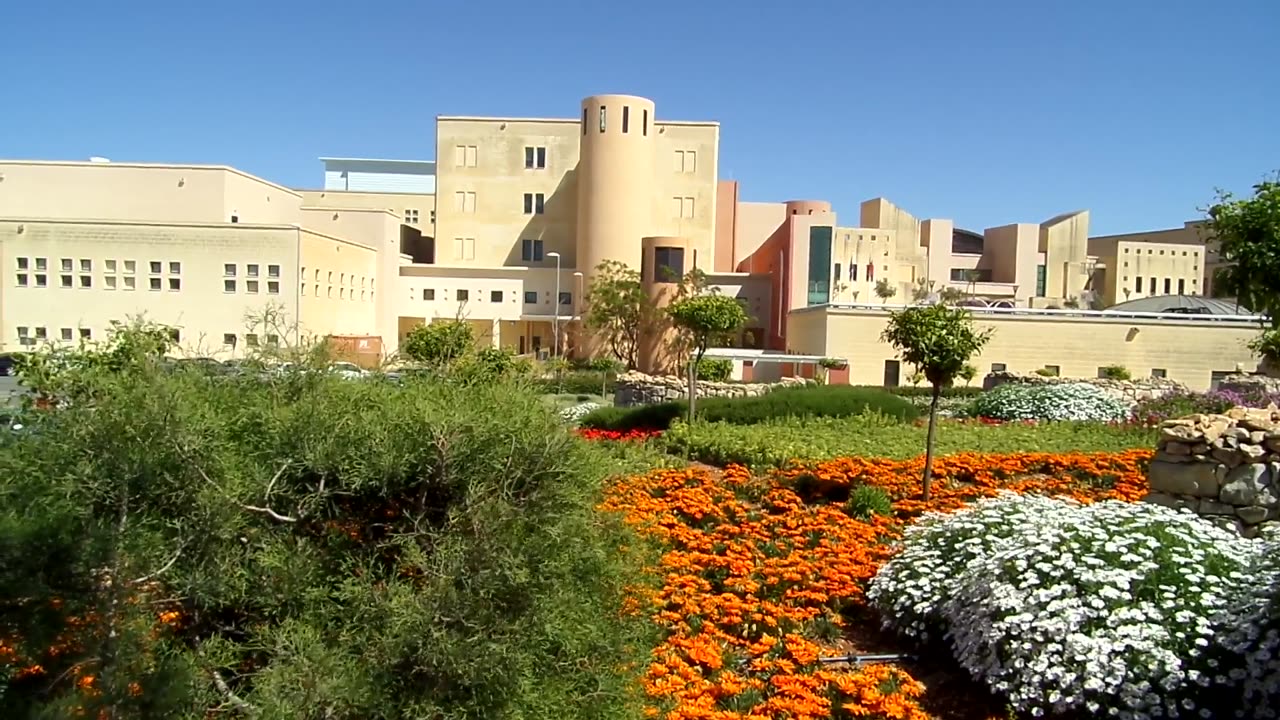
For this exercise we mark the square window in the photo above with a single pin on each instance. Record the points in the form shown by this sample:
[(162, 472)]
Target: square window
[(531, 250), (175, 335), (110, 280), (229, 269), (22, 263), (273, 340), (229, 286), (530, 297), (86, 265), (129, 282), (251, 270), (22, 279), (1159, 372), (175, 268), (251, 339), (566, 298), (153, 283), (130, 266), (175, 284), (42, 280), (66, 334), (66, 264), (111, 266), (155, 266), (273, 271), (41, 334), (251, 286), (495, 296), (229, 340), (464, 295), (86, 281), (429, 294), (86, 333), (42, 263), (65, 280), (273, 287)]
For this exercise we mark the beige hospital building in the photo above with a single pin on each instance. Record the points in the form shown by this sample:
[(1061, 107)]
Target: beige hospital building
[(506, 226)]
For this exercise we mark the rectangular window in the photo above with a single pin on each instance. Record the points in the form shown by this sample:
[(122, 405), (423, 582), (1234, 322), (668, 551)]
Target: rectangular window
[(229, 269), (584, 121), (534, 203), (601, 118), (251, 286), (273, 271), (998, 367), (22, 279), (411, 217), (67, 334), (566, 298), (1182, 286), (22, 263), (645, 127), (819, 292), (1137, 284), (273, 287), (65, 281), (229, 340), (65, 263), (155, 267), (42, 263), (465, 155), (1168, 286), (892, 373), (1053, 370), (683, 207), (535, 157), (463, 295), (175, 268), (86, 265), (41, 334), (24, 338), (86, 333), (154, 283), (668, 264), (110, 280), (495, 296), (686, 161), (530, 297), (1159, 372), (1041, 279), (229, 286), (130, 283), (273, 340), (464, 201), (626, 117), (251, 270), (531, 250), (464, 248), (175, 284), (251, 339), (1152, 286), (429, 294), (130, 266)]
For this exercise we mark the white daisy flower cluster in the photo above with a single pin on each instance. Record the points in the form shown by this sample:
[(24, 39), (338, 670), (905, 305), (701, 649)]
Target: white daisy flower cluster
[(1057, 401), (574, 413), (1110, 609), (1254, 633)]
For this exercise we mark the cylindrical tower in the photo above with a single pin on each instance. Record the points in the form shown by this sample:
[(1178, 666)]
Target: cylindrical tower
[(615, 179), (666, 260)]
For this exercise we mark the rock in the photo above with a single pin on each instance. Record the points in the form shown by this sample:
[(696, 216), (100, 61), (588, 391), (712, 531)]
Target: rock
[(1180, 434), (1177, 503), (1164, 456), (1252, 453), (1195, 479), (1176, 448), (1252, 515), (1230, 457), (1269, 530), (1232, 524), (1213, 507), (1250, 484)]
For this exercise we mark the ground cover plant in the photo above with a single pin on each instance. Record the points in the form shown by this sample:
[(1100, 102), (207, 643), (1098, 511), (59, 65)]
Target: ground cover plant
[(764, 575), (1181, 404), (299, 546), (1079, 402), (776, 443), (793, 402)]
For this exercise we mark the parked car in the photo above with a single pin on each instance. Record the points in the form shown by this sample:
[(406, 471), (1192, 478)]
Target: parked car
[(346, 370)]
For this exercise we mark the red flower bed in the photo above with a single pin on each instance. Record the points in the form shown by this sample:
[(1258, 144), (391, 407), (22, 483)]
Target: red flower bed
[(617, 435)]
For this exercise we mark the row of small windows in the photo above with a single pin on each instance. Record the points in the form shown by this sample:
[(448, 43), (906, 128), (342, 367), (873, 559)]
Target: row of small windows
[(68, 266), (30, 336), (1168, 285), (341, 277), (496, 296), (1193, 253), (343, 293), (626, 120), (231, 340)]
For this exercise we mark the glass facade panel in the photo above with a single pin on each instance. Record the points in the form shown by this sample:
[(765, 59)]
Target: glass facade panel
[(819, 265)]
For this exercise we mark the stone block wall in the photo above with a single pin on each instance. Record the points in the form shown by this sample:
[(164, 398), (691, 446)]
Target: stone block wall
[(1225, 468), (1130, 392), (636, 388)]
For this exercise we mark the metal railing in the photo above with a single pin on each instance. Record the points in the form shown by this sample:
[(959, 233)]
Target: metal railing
[(1098, 314)]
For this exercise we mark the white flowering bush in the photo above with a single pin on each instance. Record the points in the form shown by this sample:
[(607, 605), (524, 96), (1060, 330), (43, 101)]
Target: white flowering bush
[(1104, 609), (1254, 634), (1056, 401), (574, 413)]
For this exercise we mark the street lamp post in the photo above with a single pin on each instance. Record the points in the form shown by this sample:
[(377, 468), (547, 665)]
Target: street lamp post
[(555, 305)]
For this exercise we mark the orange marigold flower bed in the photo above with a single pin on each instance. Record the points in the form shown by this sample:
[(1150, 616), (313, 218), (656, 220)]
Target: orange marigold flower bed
[(756, 572)]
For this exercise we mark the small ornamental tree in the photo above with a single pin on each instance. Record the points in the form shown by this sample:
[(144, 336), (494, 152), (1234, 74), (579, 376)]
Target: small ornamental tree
[(939, 340), (1247, 233), (438, 344), (616, 310), (604, 366), (885, 290), (705, 318)]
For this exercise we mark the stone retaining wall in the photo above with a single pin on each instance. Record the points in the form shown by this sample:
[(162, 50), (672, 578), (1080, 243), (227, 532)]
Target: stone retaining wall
[(635, 388), (1225, 468), (1246, 384), (1127, 391)]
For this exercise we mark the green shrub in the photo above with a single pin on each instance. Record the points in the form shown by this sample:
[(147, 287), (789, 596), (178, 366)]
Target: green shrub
[(867, 501), (335, 549), (955, 391), (715, 369), (1116, 372), (812, 401), (576, 382)]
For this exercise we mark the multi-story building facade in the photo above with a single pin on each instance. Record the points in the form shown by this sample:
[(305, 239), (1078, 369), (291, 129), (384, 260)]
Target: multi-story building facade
[(506, 228)]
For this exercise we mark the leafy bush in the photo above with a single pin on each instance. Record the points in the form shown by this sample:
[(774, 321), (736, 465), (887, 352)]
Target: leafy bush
[(1068, 609), (1181, 404), (811, 401), (310, 548), (867, 500), (715, 369), (1057, 401), (577, 382), (1116, 372)]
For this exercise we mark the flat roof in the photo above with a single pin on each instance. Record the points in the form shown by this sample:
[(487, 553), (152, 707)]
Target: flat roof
[(656, 123), (378, 160)]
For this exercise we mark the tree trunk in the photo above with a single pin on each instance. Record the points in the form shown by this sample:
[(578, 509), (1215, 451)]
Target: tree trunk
[(604, 383), (693, 386), (927, 481)]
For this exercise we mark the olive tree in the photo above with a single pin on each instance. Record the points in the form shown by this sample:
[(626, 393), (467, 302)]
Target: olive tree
[(939, 340), (1247, 233), (705, 318)]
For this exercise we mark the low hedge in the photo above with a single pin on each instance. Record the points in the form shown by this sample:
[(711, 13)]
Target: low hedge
[(808, 401), (576, 382), (954, 391)]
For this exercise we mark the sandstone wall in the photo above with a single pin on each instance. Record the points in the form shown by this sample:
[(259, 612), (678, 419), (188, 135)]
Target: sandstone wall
[(1226, 468), (635, 388), (1128, 391)]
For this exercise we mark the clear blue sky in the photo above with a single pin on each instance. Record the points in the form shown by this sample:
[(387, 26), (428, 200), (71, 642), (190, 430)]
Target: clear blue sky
[(988, 112)]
